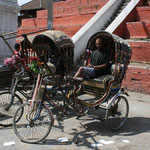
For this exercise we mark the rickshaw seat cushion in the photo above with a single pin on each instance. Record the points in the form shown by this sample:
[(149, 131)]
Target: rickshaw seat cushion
[(99, 82)]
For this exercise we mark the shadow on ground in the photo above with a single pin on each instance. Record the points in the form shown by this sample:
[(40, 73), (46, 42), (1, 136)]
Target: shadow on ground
[(133, 126)]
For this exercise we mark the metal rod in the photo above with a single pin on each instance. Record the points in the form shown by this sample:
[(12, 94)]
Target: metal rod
[(7, 44), (50, 14), (5, 34), (26, 34)]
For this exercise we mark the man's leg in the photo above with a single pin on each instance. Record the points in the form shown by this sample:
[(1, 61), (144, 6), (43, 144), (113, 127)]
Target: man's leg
[(80, 73)]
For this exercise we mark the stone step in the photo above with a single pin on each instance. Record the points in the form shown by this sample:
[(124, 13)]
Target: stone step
[(69, 20), (143, 13), (137, 29), (34, 22), (134, 64), (73, 20), (68, 29), (74, 7), (30, 29), (140, 50)]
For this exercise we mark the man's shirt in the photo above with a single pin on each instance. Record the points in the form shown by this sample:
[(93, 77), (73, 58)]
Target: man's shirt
[(99, 58)]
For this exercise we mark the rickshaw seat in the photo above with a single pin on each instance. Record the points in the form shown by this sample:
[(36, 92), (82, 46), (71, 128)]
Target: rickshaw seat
[(99, 84)]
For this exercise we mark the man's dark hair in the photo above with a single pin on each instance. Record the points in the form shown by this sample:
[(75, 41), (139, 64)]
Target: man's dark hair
[(16, 46)]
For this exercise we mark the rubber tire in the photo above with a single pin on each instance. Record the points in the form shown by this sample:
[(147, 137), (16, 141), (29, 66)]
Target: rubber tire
[(3, 101), (108, 113), (15, 126)]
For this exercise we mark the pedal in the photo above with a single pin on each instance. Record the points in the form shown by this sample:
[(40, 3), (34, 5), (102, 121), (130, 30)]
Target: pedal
[(61, 115)]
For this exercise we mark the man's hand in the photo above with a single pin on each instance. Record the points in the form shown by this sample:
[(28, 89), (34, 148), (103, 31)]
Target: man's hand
[(91, 66)]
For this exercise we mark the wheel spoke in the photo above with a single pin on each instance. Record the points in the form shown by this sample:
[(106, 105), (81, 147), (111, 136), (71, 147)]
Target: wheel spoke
[(7, 109)]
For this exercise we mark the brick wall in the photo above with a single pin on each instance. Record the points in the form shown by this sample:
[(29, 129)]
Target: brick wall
[(137, 25), (140, 51), (137, 79), (69, 16)]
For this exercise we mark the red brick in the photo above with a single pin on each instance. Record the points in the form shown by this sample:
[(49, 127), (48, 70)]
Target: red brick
[(78, 12), (143, 13), (140, 51), (42, 14), (71, 20), (28, 23), (40, 22), (37, 22), (29, 30), (137, 79), (138, 29), (74, 7), (122, 29), (69, 30)]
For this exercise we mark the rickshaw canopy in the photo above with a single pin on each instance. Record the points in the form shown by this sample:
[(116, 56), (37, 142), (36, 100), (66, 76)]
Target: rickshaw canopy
[(49, 41)]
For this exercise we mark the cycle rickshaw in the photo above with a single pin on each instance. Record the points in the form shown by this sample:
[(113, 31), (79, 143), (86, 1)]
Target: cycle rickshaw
[(38, 116), (106, 90)]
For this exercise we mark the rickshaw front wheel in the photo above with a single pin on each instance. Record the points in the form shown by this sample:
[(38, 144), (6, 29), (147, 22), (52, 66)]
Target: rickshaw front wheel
[(117, 114), (30, 130)]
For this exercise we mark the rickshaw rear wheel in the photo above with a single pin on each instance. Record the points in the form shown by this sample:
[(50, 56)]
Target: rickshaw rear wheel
[(117, 114)]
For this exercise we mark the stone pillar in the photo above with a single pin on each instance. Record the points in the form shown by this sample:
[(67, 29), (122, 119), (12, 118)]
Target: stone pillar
[(9, 22)]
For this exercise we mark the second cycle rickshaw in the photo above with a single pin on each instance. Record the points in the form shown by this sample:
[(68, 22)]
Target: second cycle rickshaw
[(37, 119)]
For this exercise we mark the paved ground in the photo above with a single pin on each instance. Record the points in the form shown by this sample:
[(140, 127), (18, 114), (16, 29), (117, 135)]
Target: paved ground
[(84, 132)]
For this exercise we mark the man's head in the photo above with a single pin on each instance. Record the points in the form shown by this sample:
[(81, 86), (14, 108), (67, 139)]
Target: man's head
[(17, 46), (98, 43)]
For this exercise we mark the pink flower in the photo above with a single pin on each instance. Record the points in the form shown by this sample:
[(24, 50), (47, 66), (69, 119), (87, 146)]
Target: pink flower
[(15, 59), (8, 61)]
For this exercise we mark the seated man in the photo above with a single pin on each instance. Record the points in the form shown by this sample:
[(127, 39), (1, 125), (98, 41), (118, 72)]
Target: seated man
[(57, 60), (98, 63)]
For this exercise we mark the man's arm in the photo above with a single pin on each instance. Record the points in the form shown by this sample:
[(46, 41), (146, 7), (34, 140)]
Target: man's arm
[(98, 66)]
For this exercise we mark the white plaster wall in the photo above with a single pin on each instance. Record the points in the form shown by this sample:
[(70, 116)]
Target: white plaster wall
[(8, 23), (96, 24)]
